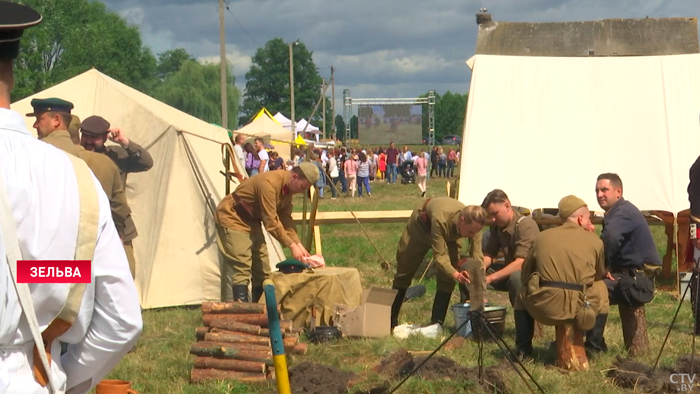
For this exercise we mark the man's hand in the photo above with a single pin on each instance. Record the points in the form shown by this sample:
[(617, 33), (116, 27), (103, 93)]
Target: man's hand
[(117, 135), (461, 277), (609, 276), (590, 227), (489, 279), (299, 251)]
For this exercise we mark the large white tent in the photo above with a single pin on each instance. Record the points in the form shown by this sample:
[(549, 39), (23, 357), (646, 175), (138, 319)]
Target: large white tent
[(178, 261), (541, 128)]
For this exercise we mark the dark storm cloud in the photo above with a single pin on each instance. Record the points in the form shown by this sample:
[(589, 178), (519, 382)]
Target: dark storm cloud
[(380, 48)]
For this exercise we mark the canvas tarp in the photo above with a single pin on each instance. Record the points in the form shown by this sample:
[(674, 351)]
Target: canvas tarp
[(177, 258), (541, 128), (270, 130)]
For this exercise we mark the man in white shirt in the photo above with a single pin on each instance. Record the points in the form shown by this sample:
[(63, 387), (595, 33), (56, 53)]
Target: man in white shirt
[(42, 189), (238, 150), (262, 154)]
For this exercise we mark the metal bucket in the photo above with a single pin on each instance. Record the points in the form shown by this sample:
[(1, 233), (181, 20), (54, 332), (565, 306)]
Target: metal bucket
[(495, 315)]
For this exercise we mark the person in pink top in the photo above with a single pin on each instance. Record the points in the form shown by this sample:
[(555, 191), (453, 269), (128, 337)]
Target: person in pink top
[(421, 172), (350, 168), (382, 164)]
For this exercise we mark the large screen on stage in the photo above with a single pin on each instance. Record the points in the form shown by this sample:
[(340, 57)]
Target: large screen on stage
[(382, 124)]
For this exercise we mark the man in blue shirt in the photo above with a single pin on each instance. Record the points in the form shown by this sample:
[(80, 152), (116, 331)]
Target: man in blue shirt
[(629, 246)]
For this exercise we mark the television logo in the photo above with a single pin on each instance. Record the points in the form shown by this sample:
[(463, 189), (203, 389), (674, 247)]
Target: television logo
[(684, 382), (54, 271)]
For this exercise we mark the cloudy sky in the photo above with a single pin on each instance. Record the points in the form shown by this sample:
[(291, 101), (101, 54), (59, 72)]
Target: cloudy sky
[(379, 48)]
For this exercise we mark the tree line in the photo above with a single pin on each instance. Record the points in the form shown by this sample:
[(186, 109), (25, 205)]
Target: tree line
[(78, 35)]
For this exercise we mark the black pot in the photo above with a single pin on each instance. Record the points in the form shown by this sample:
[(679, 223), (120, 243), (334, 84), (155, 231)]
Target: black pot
[(324, 334)]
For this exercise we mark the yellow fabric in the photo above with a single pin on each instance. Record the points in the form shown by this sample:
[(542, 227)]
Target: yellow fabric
[(298, 293), (271, 131), (300, 141)]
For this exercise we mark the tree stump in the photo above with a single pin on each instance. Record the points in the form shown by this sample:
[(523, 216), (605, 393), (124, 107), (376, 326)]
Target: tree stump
[(539, 330), (571, 355), (634, 329)]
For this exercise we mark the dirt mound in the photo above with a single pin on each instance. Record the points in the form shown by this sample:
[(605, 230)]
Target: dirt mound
[(399, 364), (683, 364), (630, 374), (318, 379)]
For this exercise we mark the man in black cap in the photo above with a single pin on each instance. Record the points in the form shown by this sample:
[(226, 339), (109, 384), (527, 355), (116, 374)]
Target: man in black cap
[(56, 210), (129, 158), (52, 120), (128, 155)]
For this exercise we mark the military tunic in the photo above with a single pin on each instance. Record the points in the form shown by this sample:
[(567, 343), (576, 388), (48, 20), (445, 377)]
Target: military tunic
[(564, 254), (61, 140), (441, 234), (261, 200), (515, 240)]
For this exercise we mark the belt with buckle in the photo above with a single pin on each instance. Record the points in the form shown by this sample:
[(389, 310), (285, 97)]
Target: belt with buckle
[(561, 285)]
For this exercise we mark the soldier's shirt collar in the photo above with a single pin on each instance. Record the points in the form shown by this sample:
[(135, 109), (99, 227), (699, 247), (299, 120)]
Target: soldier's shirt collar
[(510, 228)]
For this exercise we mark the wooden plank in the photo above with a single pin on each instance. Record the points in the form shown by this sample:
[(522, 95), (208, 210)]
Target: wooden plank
[(317, 240)]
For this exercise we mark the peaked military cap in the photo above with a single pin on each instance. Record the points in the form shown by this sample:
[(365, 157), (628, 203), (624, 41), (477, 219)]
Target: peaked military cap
[(50, 105), (95, 125), (291, 266), (14, 18)]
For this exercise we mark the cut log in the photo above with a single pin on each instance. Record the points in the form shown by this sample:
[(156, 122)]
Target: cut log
[(233, 308), (231, 325), (235, 337), (634, 329), (571, 354), (219, 350), (301, 348), (203, 375), (253, 347), (200, 331), (229, 365), (539, 330), (264, 332), (252, 319)]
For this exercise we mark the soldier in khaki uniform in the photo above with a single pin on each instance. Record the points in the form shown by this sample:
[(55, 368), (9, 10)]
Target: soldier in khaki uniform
[(438, 225), (513, 234), (51, 116), (128, 156), (562, 276), (261, 200), (52, 120)]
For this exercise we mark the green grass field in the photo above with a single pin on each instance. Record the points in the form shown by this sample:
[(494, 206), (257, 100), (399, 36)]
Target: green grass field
[(161, 362)]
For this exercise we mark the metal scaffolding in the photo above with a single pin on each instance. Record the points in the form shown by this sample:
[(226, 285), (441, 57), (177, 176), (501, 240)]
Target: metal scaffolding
[(348, 102)]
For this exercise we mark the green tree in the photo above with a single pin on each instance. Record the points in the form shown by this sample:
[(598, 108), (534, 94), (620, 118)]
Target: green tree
[(449, 114), (267, 82), (75, 36), (195, 89), (353, 127), (340, 127), (169, 62)]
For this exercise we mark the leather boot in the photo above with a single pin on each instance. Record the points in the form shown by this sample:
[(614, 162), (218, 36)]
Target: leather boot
[(440, 305), (257, 292), (524, 330), (396, 308), (595, 342), (240, 293)]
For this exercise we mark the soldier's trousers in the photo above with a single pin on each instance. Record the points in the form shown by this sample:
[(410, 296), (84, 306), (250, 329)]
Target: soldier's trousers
[(129, 250), (246, 252), (413, 246)]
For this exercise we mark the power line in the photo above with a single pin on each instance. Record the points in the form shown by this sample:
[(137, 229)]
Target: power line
[(239, 24)]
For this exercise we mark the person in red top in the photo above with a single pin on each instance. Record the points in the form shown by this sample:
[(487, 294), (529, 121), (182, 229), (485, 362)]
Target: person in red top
[(392, 158), (451, 160), (382, 165), (421, 172)]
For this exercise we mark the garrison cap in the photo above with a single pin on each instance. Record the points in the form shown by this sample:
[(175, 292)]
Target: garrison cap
[(310, 171), (14, 18), (50, 105), (569, 205), (95, 125)]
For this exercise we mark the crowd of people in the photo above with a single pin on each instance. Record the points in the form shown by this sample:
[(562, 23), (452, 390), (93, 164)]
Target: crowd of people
[(352, 170)]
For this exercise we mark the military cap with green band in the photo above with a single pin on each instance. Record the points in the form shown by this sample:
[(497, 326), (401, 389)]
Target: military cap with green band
[(14, 18), (50, 105)]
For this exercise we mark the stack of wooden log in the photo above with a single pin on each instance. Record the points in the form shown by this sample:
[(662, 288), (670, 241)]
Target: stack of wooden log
[(234, 343)]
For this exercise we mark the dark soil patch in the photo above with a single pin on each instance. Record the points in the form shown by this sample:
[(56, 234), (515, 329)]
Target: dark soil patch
[(401, 363), (318, 379), (633, 375)]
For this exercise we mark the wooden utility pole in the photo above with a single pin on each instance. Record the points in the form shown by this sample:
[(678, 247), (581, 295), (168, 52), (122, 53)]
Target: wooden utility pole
[(291, 86), (335, 132), (323, 90), (224, 64)]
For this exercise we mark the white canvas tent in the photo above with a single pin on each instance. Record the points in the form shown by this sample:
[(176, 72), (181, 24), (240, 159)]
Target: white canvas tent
[(264, 126), (177, 257), (541, 128)]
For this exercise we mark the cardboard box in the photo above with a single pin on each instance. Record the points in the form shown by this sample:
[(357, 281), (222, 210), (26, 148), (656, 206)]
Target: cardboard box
[(371, 319)]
